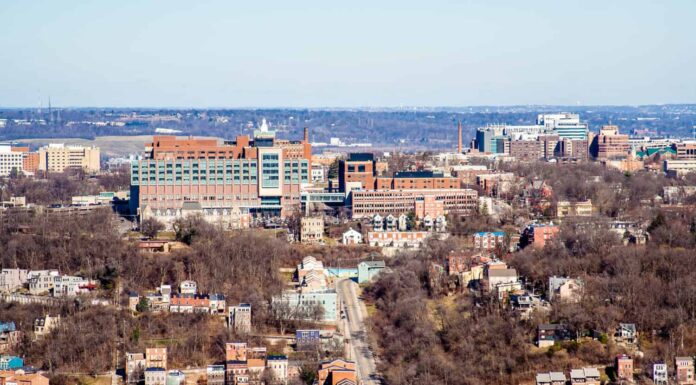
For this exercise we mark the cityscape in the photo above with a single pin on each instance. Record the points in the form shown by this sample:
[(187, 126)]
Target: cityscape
[(496, 232)]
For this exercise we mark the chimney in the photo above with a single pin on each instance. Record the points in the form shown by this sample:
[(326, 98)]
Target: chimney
[(459, 142), (306, 135)]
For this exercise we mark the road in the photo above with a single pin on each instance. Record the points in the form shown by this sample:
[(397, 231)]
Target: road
[(353, 327)]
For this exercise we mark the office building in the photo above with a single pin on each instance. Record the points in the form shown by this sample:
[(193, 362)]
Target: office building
[(686, 150), (610, 144), (397, 202), (357, 171)]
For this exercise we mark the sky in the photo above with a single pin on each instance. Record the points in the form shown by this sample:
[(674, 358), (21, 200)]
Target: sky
[(379, 53)]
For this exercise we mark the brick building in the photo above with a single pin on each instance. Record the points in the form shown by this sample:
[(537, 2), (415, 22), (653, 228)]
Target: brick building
[(397, 202)]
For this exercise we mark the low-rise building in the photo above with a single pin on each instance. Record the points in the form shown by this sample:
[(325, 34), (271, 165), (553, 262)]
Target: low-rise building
[(399, 239), (585, 376), (626, 333), (549, 334), (312, 230), (278, 365), (483, 240), (564, 289), (352, 237), (156, 358), (624, 368), (307, 339), (684, 367), (369, 269), (9, 336), (44, 325), (11, 362), (13, 279), (239, 318), (574, 209), (215, 374), (659, 373), (551, 378), (135, 367), (155, 376), (337, 372)]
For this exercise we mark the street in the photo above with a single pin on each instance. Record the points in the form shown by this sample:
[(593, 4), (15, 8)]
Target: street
[(355, 333)]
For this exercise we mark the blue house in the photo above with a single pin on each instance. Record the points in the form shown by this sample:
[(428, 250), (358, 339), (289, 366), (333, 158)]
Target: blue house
[(11, 362)]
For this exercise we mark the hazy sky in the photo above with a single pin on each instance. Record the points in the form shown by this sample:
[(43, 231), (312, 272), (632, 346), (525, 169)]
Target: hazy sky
[(346, 53)]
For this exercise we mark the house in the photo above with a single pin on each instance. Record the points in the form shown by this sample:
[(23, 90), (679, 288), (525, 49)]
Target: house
[(218, 304), (624, 368), (12, 377), (574, 209), (552, 378), (369, 269), (684, 367), (9, 336), (44, 325), (155, 376), (13, 279), (538, 235), (488, 240), (312, 230), (71, 286), (302, 305), (239, 318), (659, 373), (501, 280), (307, 265), (41, 281), (399, 239), (626, 333), (549, 334), (189, 303), (278, 366), (564, 289), (215, 374), (335, 372), (585, 376), (307, 339), (188, 287), (352, 237), (135, 367), (156, 358), (175, 377), (10, 362)]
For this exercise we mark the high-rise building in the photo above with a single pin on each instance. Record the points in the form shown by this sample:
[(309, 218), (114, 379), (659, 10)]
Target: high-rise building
[(57, 157), (610, 144), (225, 181), (10, 160)]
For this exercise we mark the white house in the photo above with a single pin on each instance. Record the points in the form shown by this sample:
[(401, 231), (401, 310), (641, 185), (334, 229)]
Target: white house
[(352, 237)]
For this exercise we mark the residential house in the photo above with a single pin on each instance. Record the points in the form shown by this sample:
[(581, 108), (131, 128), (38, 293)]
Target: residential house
[(624, 368), (13, 279), (659, 373), (488, 240), (218, 304), (188, 287), (564, 289), (175, 377), (501, 280), (215, 374), (239, 318), (155, 376), (335, 372), (44, 325), (41, 281), (549, 334), (135, 367), (585, 376), (626, 333), (9, 336), (307, 265), (684, 367), (71, 286), (538, 235), (399, 239), (574, 209), (352, 237), (189, 303), (156, 358), (312, 230), (552, 378), (10, 362), (279, 367), (12, 377), (307, 339), (369, 269), (304, 305)]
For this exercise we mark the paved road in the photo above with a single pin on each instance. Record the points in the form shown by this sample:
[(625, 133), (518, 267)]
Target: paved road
[(353, 327)]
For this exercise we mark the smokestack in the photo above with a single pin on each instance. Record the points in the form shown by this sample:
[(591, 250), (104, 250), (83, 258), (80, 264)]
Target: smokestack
[(459, 142), (306, 135)]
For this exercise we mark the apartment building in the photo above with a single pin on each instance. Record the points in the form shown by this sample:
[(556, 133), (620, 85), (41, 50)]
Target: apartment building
[(397, 202), (56, 157), (684, 367), (312, 230), (226, 182), (239, 318), (417, 180), (488, 240), (624, 368)]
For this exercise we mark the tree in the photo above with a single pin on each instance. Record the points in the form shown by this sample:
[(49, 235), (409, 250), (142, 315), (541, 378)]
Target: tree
[(150, 227), (143, 305)]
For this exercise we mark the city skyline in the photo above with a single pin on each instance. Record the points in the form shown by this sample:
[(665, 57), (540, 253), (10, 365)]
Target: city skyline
[(223, 55)]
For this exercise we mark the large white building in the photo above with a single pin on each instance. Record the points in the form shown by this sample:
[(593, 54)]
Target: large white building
[(10, 160)]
